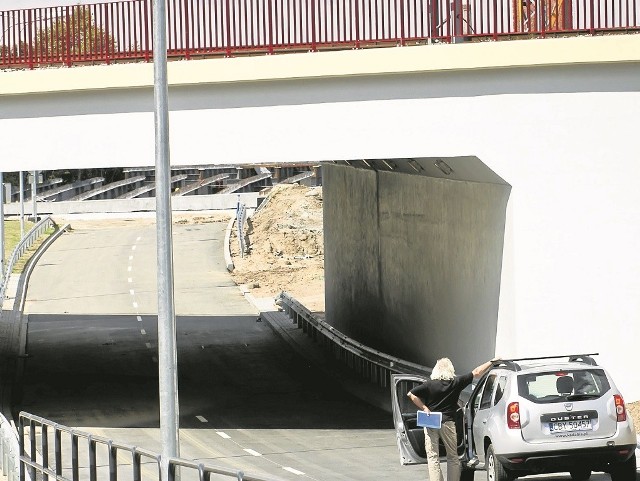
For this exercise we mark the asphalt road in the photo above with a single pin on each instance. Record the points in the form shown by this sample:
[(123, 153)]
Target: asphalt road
[(92, 363), (247, 401)]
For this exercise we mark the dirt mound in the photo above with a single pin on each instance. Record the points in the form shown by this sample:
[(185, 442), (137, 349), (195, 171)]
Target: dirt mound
[(285, 247)]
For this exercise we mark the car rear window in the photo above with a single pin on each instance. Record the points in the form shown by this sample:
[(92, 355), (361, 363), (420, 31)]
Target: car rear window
[(557, 386)]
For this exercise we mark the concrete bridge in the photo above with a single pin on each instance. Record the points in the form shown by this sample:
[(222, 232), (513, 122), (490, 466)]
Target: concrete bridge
[(551, 121)]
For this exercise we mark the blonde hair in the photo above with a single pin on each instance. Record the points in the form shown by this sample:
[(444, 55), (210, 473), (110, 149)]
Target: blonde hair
[(443, 370)]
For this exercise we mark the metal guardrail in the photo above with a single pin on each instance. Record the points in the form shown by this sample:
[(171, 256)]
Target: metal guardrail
[(9, 449), (40, 460), (241, 218), (365, 361), (27, 241)]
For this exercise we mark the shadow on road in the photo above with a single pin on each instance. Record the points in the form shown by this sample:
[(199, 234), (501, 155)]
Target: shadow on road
[(233, 371)]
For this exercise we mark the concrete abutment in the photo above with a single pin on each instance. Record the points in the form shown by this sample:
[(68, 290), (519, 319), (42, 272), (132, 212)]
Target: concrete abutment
[(413, 259)]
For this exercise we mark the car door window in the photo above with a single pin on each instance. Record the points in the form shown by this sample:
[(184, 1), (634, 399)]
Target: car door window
[(485, 402), (477, 393), (502, 382)]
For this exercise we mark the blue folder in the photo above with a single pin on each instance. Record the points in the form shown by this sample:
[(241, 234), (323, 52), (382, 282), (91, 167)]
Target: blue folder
[(430, 420)]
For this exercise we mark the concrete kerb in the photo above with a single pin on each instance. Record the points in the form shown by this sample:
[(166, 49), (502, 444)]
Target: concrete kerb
[(286, 329), (18, 326), (23, 283), (307, 348)]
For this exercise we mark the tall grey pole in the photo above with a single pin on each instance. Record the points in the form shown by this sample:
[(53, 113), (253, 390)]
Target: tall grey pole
[(34, 183), (167, 355), (21, 206), (2, 226)]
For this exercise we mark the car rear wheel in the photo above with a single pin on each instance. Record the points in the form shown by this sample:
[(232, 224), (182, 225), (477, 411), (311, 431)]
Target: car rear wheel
[(580, 474), (495, 470), (625, 471)]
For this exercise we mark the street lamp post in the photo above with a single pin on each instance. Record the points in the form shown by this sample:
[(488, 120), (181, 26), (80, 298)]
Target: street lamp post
[(34, 185), (167, 351), (21, 205), (2, 227)]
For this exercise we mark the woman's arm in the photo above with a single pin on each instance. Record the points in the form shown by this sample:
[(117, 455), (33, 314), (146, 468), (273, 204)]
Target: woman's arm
[(418, 402), (482, 368)]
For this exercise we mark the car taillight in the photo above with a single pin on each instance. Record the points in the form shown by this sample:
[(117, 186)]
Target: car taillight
[(513, 416), (621, 411)]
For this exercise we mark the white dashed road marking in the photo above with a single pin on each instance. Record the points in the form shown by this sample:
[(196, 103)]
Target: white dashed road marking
[(202, 419), (291, 470), (253, 452)]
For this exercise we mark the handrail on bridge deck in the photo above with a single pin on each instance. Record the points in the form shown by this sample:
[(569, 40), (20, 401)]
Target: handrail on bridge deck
[(122, 31)]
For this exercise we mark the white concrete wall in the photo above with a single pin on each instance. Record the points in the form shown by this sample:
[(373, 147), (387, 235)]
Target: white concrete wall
[(220, 202), (556, 121)]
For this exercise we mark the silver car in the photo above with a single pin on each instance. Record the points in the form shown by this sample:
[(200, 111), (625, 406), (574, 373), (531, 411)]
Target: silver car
[(531, 416)]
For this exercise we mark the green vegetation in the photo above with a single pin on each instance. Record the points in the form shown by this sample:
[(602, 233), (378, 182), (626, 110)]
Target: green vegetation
[(12, 235), (12, 238)]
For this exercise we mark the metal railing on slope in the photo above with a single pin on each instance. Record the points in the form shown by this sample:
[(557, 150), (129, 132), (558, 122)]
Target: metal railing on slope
[(36, 463), (241, 219), (370, 363), (27, 241)]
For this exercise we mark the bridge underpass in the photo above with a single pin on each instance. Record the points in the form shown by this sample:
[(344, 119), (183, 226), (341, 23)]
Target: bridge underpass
[(544, 128), (91, 347), (247, 400), (542, 114)]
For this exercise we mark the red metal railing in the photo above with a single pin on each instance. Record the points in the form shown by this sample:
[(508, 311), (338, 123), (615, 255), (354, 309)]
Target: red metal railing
[(116, 31)]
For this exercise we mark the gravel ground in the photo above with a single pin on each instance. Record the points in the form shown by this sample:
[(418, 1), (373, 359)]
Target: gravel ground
[(634, 410)]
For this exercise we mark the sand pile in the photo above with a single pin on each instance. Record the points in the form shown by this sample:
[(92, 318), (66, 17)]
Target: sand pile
[(285, 247)]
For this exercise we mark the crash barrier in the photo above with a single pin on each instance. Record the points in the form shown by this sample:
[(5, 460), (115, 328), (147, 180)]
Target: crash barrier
[(40, 460), (363, 360), (241, 219), (9, 449), (27, 241)]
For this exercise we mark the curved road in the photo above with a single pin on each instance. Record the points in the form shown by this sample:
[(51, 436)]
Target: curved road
[(247, 401)]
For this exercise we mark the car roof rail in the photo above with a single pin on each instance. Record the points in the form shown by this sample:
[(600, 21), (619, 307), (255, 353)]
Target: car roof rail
[(585, 358), (507, 364)]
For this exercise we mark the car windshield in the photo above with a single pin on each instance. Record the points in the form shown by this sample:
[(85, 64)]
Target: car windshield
[(557, 386)]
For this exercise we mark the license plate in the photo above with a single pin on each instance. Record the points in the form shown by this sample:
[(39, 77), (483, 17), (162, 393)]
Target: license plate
[(569, 426)]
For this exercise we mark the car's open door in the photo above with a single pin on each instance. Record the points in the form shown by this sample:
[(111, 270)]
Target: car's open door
[(409, 436)]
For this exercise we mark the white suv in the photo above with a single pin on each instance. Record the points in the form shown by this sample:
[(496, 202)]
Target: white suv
[(530, 416)]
